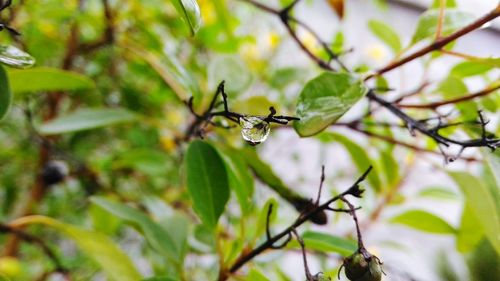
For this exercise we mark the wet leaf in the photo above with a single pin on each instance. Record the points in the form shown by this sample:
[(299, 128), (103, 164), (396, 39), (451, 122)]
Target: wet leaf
[(325, 99), (13, 57), (190, 13)]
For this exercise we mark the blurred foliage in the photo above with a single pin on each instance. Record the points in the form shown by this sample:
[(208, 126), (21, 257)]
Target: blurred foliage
[(141, 200)]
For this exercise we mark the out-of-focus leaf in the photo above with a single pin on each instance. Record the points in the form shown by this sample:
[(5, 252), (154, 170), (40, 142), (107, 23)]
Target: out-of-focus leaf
[(338, 7), (470, 232), (282, 77), (358, 155), (148, 161), (453, 87), (328, 243), (484, 263), (233, 71), (385, 33), (207, 182), (255, 105), (5, 93), (325, 99), (240, 178), (190, 13), (256, 275), (438, 193), (158, 238), (114, 263), (424, 221), (338, 42), (44, 79), (390, 167), (427, 24), (448, 4), (12, 56), (85, 119), (482, 202), (474, 67)]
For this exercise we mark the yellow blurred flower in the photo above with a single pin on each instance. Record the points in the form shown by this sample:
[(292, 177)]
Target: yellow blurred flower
[(168, 143), (377, 52), (273, 39)]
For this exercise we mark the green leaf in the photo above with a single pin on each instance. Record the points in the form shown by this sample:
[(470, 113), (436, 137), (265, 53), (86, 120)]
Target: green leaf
[(427, 24), (438, 193), (325, 99), (283, 77), (146, 160), (12, 56), (5, 93), (157, 237), (260, 228), (114, 263), (424, 221), (256, 275), (474, 67), (454, 87), (255, 105), (482, 202), (232, 70), (240, 178), (358, 155), (329, 243), (85, 119), (448, 4), (470, 232), (190, 13), (42, 79), (207, 182), (385, 33)]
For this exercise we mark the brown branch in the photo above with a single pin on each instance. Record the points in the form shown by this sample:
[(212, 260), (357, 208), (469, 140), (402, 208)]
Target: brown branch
[(442, 6), (440, 43), (435, 105)]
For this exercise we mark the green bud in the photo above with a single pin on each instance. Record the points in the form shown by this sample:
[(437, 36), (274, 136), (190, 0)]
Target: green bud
[(359, 267)]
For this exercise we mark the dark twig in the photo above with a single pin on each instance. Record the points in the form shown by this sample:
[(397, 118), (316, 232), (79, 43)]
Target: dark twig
[(38, 242), (201, 121), (268, 231), (353, 190)]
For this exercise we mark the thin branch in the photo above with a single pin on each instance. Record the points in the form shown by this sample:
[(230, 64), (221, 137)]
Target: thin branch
[(29, 238), (442, 6), (461, 99), (245, 257), (440, 43)]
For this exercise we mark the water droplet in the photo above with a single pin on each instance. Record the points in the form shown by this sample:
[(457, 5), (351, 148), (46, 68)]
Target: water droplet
[(254, 129)]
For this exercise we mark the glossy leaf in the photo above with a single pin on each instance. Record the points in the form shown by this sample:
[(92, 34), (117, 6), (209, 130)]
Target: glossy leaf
[(207, 182), (325, 242), (427, 24), (85, 119), (482, 202), (359, 156), (424, 221), (113, 262), (325, 99), (190, 13), (158, 238), (44, 79), (385, 33), (13, 57), (5, 93)]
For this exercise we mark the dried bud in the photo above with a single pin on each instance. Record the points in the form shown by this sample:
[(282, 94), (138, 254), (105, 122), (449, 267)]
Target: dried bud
[(304, 206), (54, 172), (362, 267)]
